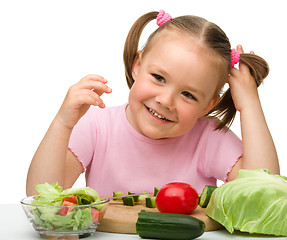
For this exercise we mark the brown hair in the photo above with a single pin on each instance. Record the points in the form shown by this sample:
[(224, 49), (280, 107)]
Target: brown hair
[(213, 38)]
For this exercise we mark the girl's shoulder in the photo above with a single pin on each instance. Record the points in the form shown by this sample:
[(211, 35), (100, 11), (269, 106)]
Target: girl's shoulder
[(206, 124), (205, 128), (208, 128)]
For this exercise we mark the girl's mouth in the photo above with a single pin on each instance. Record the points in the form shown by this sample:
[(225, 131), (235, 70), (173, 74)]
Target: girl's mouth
[(156, 115)]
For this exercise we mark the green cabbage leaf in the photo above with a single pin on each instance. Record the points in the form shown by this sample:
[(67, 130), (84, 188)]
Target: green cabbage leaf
[(256, 202)]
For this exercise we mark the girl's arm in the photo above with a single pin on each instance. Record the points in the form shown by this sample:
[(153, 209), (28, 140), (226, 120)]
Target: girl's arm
[(53, 162), (258, 146)]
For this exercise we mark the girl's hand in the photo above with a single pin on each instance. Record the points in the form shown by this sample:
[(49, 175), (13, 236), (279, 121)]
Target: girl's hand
[(80, 97), (242, 86)]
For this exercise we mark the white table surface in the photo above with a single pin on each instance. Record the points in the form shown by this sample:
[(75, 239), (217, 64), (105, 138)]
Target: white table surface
[(15, 225)]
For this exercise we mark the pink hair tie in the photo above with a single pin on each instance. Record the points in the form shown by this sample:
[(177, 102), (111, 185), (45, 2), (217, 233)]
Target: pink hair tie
[(235, 56), (162, 18)]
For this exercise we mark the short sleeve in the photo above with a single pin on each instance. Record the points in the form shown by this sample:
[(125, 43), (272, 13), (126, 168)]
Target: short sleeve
[(82, 139), (223, 149)]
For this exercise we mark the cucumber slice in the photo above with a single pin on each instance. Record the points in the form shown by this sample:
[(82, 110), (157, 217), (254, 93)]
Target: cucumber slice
[(199, 197), (136, 198), (143, 197), (117, 194), (128, 201), (205, 196), (155, 191), (150, 202)]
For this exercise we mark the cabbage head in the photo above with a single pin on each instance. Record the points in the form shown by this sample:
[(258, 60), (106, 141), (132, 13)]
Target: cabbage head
[(256, 202)]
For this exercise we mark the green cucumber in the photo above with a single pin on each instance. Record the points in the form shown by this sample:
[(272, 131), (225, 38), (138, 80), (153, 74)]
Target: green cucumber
[(136, 198), (128, 201), (155, 191), (150, 202), (117, 194), (168, 226), (205, 195), (142, 197)]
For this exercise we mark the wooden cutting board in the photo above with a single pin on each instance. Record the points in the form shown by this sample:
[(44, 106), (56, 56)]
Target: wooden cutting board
[(122, 219)]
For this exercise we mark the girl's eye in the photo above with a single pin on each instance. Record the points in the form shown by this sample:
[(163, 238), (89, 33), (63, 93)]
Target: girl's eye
[(189, 95), (158, 78)]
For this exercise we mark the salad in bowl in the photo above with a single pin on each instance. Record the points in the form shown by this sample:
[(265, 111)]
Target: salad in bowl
[(74, 212)]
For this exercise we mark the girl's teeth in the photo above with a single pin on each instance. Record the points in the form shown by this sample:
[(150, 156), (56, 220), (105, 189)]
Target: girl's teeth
[(157, 115)]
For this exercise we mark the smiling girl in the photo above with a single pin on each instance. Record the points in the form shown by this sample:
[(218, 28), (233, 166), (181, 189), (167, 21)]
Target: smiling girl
[(175, 124), (173, 80)]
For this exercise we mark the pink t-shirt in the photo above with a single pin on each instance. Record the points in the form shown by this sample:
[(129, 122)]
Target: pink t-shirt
[(118, 158)]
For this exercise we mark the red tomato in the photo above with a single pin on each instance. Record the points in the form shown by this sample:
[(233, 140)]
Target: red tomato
[(72, 199), (66, 208), (176, 197), (96, 215)]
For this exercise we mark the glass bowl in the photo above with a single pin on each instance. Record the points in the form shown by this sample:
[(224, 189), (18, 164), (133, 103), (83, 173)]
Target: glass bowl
[(65, 222)]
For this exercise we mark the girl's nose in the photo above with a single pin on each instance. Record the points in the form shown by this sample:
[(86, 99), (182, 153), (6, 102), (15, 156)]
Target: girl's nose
[(166, 99)]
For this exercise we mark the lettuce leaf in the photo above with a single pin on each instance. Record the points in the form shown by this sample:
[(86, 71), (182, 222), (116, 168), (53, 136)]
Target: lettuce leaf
[(53, 194), (49, 194), (256, 202), (85, 195)]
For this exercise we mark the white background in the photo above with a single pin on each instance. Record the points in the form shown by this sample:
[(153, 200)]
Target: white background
[(46, 46)]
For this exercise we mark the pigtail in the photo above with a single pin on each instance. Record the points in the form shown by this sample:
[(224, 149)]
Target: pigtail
[(225, 109), (132, 42), (258, 67)]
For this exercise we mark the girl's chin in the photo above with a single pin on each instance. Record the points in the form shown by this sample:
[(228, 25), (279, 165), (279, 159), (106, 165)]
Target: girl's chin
[(154, 134)]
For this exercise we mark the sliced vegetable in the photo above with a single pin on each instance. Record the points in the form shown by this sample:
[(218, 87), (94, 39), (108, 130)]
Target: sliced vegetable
[(199, 197), (85, 195), (150, 202), (168, 226), (142, 197), (96, 215), (128, 201), (205, 196), (117, 194), (176, 197), (72, 199), (256, 202), (155, 191), (67, 207), (48, 194), (136, 198)]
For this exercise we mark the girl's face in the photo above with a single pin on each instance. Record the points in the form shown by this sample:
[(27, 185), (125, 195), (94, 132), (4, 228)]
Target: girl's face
[(175, 84)]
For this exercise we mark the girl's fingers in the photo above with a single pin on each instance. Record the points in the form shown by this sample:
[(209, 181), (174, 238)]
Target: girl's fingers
[(239, 49), (91, 98), (239, 73), (94, 77), (244, 69), (234, 72), (93, 84), (88, 91)]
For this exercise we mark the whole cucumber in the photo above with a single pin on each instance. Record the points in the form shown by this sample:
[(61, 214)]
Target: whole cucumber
[(168, 226)]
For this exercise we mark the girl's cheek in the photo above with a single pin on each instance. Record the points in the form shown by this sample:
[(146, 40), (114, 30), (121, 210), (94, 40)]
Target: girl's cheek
[(139, 91), (188, 113), (144, 87)]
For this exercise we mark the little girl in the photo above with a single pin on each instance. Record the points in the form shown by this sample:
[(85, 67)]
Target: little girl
[(175, 124)]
